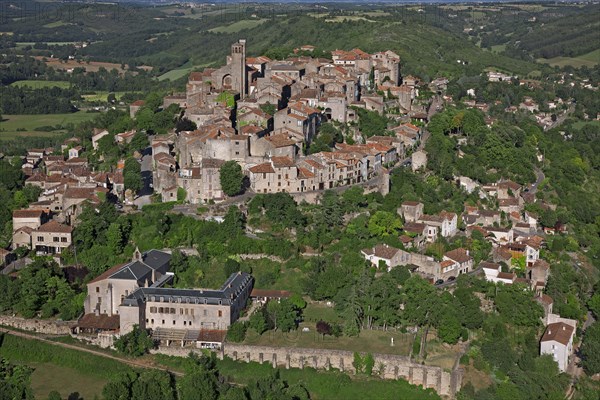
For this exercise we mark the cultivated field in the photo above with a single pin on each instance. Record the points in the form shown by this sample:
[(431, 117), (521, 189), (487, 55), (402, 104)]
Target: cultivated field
[(48, 377), (238, 26), (24, 125), (92, 66), (41, 84), (589, 60)]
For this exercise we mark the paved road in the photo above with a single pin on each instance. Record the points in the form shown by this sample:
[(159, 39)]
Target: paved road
[(137, 364), (147, 191), (539, 178)]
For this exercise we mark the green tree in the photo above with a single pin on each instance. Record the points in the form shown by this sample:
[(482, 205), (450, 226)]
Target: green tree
[(258, 321), (115, 238), (237, 332), (234, 223), (153, 385), (231, 178), (15, 381), (136, 343), (132, 175), (139, 141), (384, 223), (181, 195), (449, 330), (590, 349), (283, 314), (197, 385)]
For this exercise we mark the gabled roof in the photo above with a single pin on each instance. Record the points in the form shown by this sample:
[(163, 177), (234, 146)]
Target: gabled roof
[(459, 255), (264, 168), (559, 332), (55, 227), (27, 213)]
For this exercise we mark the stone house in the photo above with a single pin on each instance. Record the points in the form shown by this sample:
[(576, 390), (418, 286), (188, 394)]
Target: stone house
[(202, 183), (135, 107), (445, 221), (391, 256), (418, 160), (411, 211), (106, 292), (463, 262), (28, 218), (51, 238)]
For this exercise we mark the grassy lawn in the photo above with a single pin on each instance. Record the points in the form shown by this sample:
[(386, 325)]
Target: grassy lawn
[(580, 124), (41, 84), (238, 26), (10, 123), (589, 59), (47, 377), (368, 341), (57, 24), (315, 312), (498, 48)]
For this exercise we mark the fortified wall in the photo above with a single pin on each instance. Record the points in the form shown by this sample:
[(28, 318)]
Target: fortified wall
[(389, 366), (46, 326)]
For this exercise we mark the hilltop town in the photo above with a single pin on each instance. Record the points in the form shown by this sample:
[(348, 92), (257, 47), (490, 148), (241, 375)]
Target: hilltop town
[(422, 222)]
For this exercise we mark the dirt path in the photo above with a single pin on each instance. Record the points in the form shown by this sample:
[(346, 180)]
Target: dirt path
[(137, 364)]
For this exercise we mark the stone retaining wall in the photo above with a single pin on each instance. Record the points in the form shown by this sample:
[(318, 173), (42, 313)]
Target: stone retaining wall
[(47, 326), (389, 366)]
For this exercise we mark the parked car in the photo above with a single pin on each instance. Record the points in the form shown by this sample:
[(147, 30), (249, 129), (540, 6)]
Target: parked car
[(450, 279), (439, 281)]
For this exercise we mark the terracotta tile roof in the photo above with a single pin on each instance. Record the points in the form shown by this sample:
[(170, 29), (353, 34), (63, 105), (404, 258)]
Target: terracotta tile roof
[(459, 255), (411, 203), (382, 251), (138, 103), (102, 321), (264, 168), (506, 275), (28, 213), (28, 230), (414, 227), (54, 226), (544, 298), (559, 332), (489, 265), (304, 173), (406, 239), (211, 335), (280, 140), (212, 163), (282, 162), (447, 263)]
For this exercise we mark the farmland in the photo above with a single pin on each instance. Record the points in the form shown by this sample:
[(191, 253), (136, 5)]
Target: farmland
[(24, 125)]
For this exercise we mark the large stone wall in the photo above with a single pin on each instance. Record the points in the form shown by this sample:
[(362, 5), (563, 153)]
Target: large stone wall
[(50, 327), (390, 366)]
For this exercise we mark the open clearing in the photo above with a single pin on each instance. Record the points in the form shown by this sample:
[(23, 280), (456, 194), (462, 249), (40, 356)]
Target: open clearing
[(180, 72), (41, 84), (27, 123), (370, 341), (589, 60), (238, 26), (47, 377)]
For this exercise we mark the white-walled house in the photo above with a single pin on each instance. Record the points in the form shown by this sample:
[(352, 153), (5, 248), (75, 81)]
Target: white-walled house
[(558, 342)]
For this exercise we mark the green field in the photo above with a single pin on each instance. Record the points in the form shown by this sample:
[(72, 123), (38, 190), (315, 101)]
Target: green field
[(238, 26), (41, 84), (27, 123), (57, 24), (102, 96), (180, 72), (47, 377), (589, 60), (64, 370)]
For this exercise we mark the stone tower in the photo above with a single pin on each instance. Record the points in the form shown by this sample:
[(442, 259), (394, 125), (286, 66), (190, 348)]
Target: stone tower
[(238, 67)]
